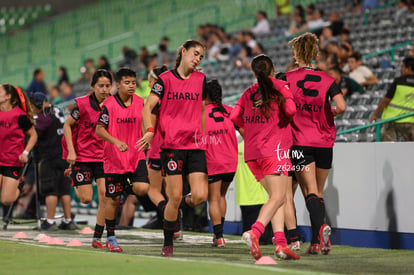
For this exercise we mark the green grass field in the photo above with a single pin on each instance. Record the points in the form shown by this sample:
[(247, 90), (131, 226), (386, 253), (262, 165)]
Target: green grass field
[(194, 255)]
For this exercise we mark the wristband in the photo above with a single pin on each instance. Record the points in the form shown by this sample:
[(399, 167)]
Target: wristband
[(151, 130), (25, 153)]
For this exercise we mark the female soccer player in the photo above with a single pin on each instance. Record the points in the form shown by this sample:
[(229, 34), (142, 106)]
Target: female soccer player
[(85, 148), (16, 121), (264, 111), (314, 133), (119, 125), (181, 125), (221, 155)]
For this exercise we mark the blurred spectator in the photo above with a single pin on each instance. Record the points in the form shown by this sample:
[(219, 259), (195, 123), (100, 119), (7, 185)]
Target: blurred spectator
[(250, 48), (358, 6), (298, 21), (87, 70), (63, 75), (336, 24), (54, 95), (360, 73), (103, 63), (67, 94), (344, 53), (348, 85), (235, 44), (402, 11), (344, 35), (283, 7), (315, 20), (369, 4), (37, 84), (326, 37), (130, 57), (398, 101), (144, 57), (262, 23), (163, 56), (213, 46), (54, 185)]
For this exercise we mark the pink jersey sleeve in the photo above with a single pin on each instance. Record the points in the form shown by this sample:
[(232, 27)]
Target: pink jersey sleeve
[(289, 107), (236, 115)]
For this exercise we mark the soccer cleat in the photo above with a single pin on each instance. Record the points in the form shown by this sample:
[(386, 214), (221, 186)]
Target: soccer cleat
[(68, 226), (313, 249), (253, 243), (284, 252), (295, 246), (98, 244), (113, 245), (178, 236), (47, 226), (167, 251), (324, 234), (220, 242)]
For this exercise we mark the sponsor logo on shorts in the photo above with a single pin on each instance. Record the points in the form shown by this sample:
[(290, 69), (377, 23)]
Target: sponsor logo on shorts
[(155, 165), (79, 177), (172, 165), (111, 188), (16, 173)]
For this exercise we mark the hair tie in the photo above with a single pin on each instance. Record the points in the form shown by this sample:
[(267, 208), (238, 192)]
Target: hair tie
[(153, 74), (22, 100)]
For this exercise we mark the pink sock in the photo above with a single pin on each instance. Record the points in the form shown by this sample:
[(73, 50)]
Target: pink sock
[(280, 238), (258, 229)]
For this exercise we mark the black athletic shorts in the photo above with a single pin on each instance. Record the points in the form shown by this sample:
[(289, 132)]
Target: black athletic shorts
[(225, 177), (84, 172), (154, 164), (303, 155), (177, 162), (11, 171), (116, 184), (52, 178)]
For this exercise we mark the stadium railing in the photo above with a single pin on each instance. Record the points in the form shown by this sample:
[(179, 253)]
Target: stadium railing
[(109, 44), (391, 50), (376, 124), (380, 7)]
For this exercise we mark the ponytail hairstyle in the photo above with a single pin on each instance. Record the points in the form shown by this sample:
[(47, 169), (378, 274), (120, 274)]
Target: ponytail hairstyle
[(157, 71), (187, 45), (262, 67), (305, 47), (19, 99), (214, 93)]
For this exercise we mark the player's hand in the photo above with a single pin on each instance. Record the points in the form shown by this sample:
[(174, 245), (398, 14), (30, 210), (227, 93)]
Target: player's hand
[(23, 158), (71, 159), (145, 142), (122, 146)]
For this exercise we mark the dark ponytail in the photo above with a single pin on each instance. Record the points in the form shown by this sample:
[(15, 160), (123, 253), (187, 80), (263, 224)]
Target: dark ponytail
[(214, 93), (158, 71), (16, 100), (262, 66)]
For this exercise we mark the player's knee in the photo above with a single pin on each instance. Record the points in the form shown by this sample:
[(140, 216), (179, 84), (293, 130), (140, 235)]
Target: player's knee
[(198, 199), (141, 189), (7, 201), (85, 200)]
